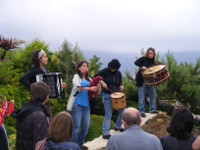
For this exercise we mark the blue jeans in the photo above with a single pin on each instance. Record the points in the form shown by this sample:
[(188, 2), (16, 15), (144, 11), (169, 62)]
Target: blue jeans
[(81, 122), (142, 91), (108, 115), (3, 139)]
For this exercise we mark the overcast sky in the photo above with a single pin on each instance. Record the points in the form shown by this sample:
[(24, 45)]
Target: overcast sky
[(106, 25)]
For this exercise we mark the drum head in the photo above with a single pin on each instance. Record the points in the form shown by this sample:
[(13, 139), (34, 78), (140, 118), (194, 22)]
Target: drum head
[(117, 95), (153, 69)]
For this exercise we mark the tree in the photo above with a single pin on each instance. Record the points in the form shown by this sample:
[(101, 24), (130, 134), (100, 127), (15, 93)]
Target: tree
[(66, 60), (183, 83), (94, 65)]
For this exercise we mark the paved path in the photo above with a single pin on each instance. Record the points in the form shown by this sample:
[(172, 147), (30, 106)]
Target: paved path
[(99, 142)]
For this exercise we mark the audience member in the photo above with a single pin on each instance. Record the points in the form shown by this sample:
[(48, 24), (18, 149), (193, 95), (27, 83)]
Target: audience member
[(133, 137), (196, 144), (33, 119), (59, 133), (180, 129), (3, 139)]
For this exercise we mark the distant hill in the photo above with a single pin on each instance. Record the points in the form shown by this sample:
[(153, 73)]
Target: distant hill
[(127, 59)]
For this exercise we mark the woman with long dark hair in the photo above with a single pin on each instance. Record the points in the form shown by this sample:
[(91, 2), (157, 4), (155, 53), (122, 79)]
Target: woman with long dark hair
[(180, 130), (39, 60), (78, 103)]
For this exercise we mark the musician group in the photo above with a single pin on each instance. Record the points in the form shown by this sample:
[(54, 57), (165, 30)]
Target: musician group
[(110, 85)]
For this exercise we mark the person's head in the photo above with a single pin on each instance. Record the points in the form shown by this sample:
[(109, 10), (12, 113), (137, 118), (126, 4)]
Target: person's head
[(131, 116), (181, 124), (114, 65), (39, 92), (39, 58), (60, 128), (150, 53), (82, 69)]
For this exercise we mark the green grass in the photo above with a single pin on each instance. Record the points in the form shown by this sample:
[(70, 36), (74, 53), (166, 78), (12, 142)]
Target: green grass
[(95, 129)]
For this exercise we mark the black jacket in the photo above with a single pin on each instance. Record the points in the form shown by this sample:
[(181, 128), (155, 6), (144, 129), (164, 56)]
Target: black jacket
[(30, 77), (32, 124), (112, 79), (142, 61)]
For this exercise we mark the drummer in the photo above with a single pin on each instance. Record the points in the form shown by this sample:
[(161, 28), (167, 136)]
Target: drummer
[(112, 81), (143, 63)]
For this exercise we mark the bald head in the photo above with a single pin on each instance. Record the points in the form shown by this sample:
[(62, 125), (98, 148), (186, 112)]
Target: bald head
[(131, 116)]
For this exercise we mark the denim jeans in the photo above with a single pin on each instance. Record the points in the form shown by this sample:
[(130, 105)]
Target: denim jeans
[(81, 122), (3, 139), (108, 115), (142, 91)]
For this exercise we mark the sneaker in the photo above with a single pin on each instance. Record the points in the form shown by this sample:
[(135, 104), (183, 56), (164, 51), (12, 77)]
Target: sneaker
[(119, 129), (106, 136), (143, 115), (83, 147), (154, 112)]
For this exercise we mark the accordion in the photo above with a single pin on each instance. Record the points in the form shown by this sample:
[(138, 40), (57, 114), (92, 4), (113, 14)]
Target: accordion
[(54, 81)]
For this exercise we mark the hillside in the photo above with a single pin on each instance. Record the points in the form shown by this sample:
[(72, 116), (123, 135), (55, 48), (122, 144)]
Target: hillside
[(127, 58)]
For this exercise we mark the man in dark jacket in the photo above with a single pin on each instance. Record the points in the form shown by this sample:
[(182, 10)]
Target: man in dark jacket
[(33, 118)]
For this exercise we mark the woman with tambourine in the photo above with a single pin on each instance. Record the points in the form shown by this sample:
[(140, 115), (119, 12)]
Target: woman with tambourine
[(112, 81), (143, 63)]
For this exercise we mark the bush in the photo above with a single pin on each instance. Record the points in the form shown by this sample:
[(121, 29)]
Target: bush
[(95, 129), (16, 93), (58, 105)]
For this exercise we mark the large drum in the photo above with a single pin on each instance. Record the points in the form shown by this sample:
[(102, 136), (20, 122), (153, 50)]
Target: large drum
[(118, 100), (54, 81), (155, 75)]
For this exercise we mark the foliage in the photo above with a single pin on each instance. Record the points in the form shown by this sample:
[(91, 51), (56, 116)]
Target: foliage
[(94, 65), (183, 83), (130, 87), (22, 58), (57, 105), (7, 44), (16, 93), (95, 129)]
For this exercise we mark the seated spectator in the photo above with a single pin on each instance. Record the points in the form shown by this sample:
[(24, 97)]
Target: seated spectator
[(33, 119), (59, 133), (133, 138), (196, 144), (180, 129), (3, 139)]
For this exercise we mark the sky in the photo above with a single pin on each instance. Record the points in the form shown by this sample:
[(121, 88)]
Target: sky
[(105, 25)]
